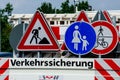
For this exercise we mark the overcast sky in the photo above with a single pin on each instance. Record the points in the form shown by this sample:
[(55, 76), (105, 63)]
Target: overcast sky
[(30, 6)]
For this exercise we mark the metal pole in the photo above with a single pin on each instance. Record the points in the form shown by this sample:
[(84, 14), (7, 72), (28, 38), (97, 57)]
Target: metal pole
[(114, 20), (0, 35), (19, 22), (23, 28), (39, 54), (79, 55), (23, 24), (23, 55), (14, 56), (99, 56), (99, 17), (74, 6)]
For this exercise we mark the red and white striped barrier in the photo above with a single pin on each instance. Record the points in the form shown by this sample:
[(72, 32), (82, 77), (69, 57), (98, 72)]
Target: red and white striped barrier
[(4, 72), (107, 69)]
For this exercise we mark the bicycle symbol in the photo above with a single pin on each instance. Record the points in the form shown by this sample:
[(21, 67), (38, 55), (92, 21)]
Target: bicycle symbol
[(102, 43), (100, 39)]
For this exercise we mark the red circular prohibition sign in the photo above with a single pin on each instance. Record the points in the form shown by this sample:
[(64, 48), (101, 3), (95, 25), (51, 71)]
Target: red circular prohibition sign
[(114, 35)]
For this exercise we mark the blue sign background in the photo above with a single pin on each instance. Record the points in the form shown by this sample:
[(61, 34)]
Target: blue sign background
[(85, 29)]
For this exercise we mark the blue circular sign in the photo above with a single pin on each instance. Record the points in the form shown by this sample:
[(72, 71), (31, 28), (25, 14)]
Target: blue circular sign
[(80, 38)]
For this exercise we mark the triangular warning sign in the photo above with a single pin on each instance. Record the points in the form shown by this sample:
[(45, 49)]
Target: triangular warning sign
[(82, 17), (107, 16), (102, 16), (63, 47), (38, 36), (99, 16)]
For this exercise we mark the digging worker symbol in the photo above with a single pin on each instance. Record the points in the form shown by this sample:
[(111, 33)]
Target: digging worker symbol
[(38, 40), (35, 36)]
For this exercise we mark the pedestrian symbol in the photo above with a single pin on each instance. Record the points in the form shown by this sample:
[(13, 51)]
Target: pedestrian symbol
[(85, 43), (80, 38), (76, 37), (101, 39)]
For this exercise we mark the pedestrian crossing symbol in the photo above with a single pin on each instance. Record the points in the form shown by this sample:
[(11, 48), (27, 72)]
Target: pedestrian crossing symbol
[(80, 38)]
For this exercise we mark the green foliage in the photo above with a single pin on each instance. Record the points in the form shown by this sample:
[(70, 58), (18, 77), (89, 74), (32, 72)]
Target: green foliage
[(83, 5), (72, 10), (65, 7), (5, 28), (9, 9), (46, 8), (5, 31), (58, 11)]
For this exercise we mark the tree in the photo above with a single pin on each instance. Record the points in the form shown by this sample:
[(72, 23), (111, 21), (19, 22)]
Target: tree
[(71, 9), (46, 8), (9, 9), (5, 28), (5, 31), (83, 6), (58, 11), (66, 7)]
